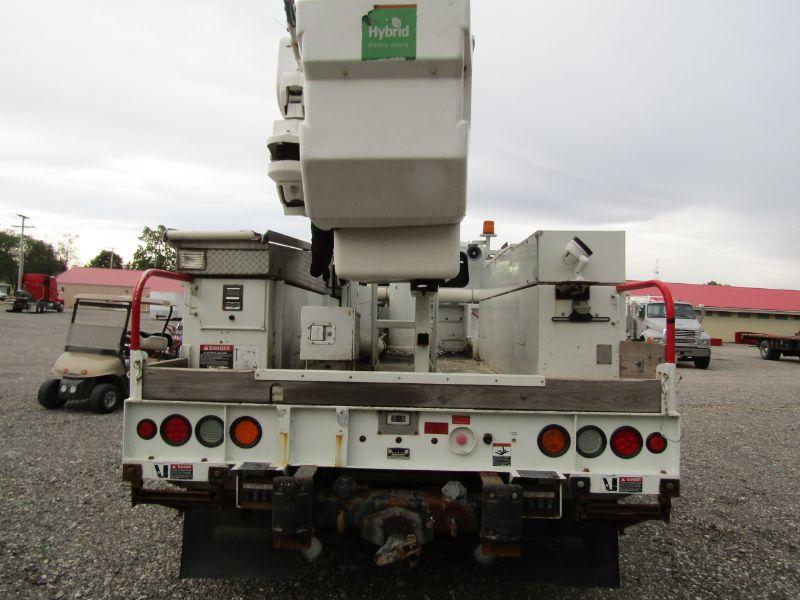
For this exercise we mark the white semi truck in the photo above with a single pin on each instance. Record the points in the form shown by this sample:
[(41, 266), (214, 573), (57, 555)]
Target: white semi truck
[(647, 323), (275, 436)]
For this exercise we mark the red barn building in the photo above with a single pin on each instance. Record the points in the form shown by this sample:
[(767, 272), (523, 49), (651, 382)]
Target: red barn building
[(120, 282)]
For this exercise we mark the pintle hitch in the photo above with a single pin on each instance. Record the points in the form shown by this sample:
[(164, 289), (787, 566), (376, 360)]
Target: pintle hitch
[(398, 548), (292, 509)]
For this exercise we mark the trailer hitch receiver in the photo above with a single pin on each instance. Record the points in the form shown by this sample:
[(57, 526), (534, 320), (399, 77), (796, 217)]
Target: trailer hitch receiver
[(292, 509), (501, 517)]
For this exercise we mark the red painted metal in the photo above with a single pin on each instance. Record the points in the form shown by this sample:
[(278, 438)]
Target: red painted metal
[(435, 427), (138, 292), (668, 304)]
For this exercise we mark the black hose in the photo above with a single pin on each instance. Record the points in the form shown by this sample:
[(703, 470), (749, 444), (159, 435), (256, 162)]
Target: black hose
[(321, 252)]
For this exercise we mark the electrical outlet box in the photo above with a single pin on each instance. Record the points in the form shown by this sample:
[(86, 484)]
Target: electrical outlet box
[(328, 333)]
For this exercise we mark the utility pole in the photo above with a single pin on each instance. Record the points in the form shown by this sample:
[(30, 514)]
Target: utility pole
[(111, 262), (658, 272), (21, 249)]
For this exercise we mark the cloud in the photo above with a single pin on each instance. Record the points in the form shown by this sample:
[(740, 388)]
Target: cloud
[(677, 121)]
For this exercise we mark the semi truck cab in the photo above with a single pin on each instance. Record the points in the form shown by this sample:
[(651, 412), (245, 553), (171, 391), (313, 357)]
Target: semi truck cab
[(647, 323)]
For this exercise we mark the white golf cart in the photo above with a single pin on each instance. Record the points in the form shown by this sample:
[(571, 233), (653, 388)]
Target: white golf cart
[(94, 364)]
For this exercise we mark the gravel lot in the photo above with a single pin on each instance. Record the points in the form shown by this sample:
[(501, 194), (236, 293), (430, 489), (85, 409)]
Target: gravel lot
[(68, 529)]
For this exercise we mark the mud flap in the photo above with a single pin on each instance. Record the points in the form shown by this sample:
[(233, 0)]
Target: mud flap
[(586, 555), (232, 544)]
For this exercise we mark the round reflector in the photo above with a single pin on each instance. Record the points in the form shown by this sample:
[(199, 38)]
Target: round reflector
[(590, 441), (176, 430), (245, 432), (553, 441), (209, 431), (656, 443), (626, 442), (146, 429)]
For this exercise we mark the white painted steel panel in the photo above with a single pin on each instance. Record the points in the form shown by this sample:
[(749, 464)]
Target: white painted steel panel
[(518, 334), (606, 264), (312, 439), (399, 377), (539, 259), (204, 321)]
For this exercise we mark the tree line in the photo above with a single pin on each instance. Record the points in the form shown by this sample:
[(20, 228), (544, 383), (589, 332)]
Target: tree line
[(42, 257)]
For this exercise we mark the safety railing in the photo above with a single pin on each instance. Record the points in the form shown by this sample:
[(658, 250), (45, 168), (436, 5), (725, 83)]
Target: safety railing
[(138, 292)]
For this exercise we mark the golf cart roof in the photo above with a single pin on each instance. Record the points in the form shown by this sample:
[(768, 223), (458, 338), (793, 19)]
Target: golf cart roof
[(111, 299)]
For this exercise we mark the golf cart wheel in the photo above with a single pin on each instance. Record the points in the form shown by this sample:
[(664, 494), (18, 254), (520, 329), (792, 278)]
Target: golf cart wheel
[(48, 394), (105, 398), (768, 353), (701, 362)]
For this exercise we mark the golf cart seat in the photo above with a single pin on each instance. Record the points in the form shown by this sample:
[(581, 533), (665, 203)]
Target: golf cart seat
[(154, 343)]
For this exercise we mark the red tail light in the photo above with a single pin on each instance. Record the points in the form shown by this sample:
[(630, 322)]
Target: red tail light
[(626, 442), (146, 429), (176, 430), (656, 443)]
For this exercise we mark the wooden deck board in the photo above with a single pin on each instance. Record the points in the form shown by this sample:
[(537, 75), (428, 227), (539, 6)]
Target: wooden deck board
[(205, 385)]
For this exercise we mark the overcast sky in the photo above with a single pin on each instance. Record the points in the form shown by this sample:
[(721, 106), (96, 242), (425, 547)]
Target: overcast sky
[(677, 121)]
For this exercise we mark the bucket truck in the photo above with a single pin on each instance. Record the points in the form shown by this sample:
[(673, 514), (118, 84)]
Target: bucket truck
[(274, 436)]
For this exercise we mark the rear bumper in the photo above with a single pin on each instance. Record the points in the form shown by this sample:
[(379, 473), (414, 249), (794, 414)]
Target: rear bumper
[(491, 508)]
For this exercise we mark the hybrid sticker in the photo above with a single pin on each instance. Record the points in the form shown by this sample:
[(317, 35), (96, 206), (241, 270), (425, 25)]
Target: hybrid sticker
[(389, 32), (398, 453), (501, 454), (181, 471)]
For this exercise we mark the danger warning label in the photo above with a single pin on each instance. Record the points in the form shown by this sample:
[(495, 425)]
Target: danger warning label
[(632, 485), (216, 356), (181, 471)]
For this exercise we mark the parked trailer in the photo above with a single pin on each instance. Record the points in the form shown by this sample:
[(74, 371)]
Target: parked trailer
[(771, 346)]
